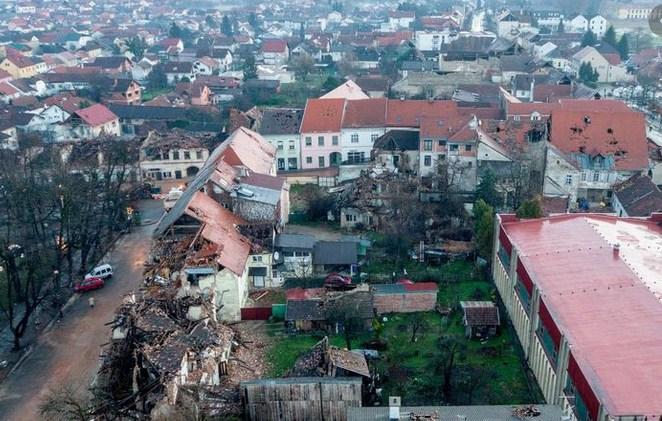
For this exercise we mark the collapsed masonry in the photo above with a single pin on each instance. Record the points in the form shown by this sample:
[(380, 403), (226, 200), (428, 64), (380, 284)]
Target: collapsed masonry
[(169, 352)]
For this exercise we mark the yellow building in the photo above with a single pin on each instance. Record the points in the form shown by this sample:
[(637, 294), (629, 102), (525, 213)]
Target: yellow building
[(21, 67)]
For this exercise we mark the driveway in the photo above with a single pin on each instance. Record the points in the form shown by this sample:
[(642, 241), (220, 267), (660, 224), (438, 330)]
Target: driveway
[(69, 353)]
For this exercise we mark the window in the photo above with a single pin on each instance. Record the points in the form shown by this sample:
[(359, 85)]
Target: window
[(175, 155), (257, 258), (354, 138), (427, 145), (280, 145), (568, 179), (583, 175), (309, 141), (442, 143), (374, 137), (454, 147), (178, 174), (467, 148), (441, 157), (281, 163), (427, 160), (320, 161), (292, 145), (350, 218), (198, 154), (309, 160), (165, 156), (355, 157), (291, 163), (187, 155), (334, 140), (596, 176)]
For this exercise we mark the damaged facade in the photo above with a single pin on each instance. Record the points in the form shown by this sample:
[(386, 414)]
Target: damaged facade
[(224, 224)]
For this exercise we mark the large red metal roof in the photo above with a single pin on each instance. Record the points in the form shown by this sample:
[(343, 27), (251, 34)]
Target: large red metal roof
[(605, 302)]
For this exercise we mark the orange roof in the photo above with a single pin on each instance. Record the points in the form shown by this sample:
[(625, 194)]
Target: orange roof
[(410, 113), (323, 115), (621, 134), (274, 46), (96, 115), (220, 229), (246, 148), (365, 113)]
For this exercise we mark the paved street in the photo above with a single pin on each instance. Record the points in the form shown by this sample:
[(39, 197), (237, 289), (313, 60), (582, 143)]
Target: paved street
[(69, 353)]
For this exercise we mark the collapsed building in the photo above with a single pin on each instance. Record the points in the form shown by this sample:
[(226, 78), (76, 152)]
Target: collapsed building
[(166, 352), (217, 239)]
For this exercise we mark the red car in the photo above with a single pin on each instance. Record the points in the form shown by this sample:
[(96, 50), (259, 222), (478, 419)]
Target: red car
[(338, 281), (88, 284)]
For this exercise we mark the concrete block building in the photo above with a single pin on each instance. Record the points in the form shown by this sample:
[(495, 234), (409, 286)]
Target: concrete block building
[(584, 295)]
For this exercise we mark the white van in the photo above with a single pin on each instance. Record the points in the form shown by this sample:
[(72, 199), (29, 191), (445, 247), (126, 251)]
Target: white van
[(104, 271)]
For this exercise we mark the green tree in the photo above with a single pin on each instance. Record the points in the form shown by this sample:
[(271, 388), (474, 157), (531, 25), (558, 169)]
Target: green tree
[(137, 47), (623, 47), (250, 68), (252, 20), (302, 66), (157, 78), (486, 189), (530, 209), (330, 84), (210, 22), (610, 36), (589, 39), (175, 31), (226, 26), (561, 27), (483, 228), (587, 74)]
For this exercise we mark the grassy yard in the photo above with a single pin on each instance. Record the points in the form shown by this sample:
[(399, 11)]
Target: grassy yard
[(149, 94), (486, 372)]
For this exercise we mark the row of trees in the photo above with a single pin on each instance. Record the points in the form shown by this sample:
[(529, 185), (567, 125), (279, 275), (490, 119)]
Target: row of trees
[(621, 44), (56, 216)]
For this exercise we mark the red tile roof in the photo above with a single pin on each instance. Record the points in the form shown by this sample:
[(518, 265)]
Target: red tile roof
[(621, 134), (365, 113), (246, 148), (274, 46), (96, 115), (220, 229), (323, 115), (410, 113), (421, 286), (606, 304)]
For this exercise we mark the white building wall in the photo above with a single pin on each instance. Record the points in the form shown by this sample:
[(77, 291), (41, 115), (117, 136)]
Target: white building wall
[(288, 151), (359, 141)]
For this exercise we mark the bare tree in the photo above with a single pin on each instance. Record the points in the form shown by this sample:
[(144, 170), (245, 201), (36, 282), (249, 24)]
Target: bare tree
[(66, 402)]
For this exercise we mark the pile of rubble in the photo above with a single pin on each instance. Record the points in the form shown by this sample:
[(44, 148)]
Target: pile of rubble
[(168, 352)]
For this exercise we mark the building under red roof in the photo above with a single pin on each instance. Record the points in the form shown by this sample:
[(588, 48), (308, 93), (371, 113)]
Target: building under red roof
[(366, 113), (274, 46), (597, 284), (410, 113), (323, 115), (621, 134), (96, 115)]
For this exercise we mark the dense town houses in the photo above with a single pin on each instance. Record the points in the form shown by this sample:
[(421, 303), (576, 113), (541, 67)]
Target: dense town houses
[(331, 210)]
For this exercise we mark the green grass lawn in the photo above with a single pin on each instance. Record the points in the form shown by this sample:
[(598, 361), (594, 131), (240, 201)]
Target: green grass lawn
[(149, 94), (407, 368)]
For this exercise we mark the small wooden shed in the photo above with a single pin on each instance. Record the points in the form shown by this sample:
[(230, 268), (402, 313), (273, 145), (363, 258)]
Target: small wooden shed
[(481, 318)]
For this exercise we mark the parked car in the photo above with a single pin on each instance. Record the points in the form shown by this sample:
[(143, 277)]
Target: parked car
[(103, 271), (88, 284), (338, 281)]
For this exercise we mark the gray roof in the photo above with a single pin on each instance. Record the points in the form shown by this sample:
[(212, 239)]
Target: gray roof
[(259, 194), (454, 413), (143, 112), (303, 380), (295, 241), (335, 253), (277, 121), (305, 310)]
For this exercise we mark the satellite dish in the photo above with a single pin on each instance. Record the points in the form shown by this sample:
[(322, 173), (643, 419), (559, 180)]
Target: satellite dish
[(276, 255)]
